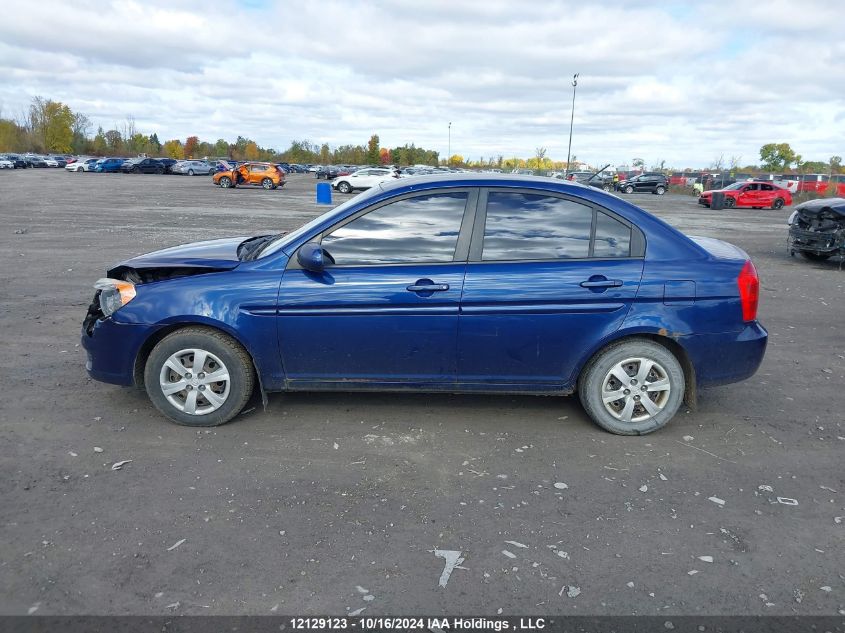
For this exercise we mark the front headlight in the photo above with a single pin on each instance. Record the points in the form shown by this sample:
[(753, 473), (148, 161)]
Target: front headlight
[(114, 294), (792, 217)]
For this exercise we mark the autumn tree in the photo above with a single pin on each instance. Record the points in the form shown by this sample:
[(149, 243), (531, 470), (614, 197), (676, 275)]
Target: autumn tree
[(372, 157), (384, 156), (52, 125), (251, 150), (777, 156), (114, 142), (174, 149), (325, 154), (190, 147)]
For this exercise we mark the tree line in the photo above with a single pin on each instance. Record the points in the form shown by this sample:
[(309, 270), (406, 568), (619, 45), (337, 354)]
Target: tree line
[(52, 127)]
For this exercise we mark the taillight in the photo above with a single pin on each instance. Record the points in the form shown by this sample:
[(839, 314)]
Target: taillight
[(749, 291)]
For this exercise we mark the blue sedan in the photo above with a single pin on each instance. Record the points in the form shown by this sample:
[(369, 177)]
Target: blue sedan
[(454, 283)]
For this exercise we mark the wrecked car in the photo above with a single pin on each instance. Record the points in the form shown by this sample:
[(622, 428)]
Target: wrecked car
[(456, 283), (817, 229)]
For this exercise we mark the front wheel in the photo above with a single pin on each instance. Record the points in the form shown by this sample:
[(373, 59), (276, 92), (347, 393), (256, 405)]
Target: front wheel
[(344, 187), (267, 183), (199, 376), (777, 204), (135, 170), (190, 172), (632, 387), (225, 182), (629, 189), (660, 191), (729, 202)]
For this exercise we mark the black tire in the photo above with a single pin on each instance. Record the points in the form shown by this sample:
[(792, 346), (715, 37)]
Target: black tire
[(267, 183), (815, 257), (777, 204), (629, 189), (225, 182), (607, 188), (660, 191), (729, 202), (190, 172), (592, 380), (135, 170), (234, 357), (160, 171), (344, 187)]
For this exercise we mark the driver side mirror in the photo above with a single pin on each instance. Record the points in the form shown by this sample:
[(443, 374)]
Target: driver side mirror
[(311, 256)]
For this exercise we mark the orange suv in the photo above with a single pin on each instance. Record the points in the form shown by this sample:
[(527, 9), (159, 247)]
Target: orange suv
[(265, 175)]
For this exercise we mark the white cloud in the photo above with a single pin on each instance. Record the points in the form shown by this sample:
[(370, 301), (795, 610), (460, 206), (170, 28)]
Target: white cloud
[(676, 81)]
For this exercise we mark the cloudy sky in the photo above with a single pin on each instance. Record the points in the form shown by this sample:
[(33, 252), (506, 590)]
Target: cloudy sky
[(683, 82)]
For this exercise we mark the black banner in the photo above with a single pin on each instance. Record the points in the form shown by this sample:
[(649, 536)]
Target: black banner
[(436, 624)]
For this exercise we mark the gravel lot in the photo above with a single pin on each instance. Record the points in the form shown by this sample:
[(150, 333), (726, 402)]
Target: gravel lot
[(335, 502)]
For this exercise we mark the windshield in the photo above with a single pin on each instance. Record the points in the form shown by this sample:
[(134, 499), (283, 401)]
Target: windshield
[(277, 244)]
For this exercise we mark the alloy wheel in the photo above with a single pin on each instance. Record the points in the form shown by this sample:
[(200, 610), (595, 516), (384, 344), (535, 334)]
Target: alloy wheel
[(195, 381), (635, 389)]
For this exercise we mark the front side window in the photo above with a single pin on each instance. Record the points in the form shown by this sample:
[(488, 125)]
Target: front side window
[(535, 226), (412, 230)]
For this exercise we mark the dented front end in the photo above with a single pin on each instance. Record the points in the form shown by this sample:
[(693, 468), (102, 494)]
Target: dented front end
[(817, 228)]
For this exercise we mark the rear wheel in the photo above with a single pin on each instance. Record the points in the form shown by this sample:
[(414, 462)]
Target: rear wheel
[(778, 203), (199, 376), (267, 183), (629, 189), (225, 182), (632, 387)]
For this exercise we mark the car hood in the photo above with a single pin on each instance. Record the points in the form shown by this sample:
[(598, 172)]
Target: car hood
[(211, 254), (833, 207)]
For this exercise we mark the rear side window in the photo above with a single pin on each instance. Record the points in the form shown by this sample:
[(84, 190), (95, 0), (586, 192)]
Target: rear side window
[(419, 229), (535, 226), (613, 238), (526, 226)]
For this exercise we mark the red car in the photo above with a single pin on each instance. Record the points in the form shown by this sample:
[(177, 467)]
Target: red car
[(754, 194)]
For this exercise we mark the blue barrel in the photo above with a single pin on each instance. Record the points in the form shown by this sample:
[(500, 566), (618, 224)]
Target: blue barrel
[(324, 193)]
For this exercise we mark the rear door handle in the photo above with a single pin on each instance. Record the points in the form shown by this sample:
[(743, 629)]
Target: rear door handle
[(601, 283), (427, 287)]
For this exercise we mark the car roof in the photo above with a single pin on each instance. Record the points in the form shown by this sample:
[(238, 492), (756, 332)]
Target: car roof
[(475, 178)]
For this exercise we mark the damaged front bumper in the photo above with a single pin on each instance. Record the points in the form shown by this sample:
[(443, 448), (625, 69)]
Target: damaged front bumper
[(112, 346), (817, 242)]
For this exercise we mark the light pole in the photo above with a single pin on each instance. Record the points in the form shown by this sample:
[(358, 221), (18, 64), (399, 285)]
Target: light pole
[(449, 156), (571, 121)]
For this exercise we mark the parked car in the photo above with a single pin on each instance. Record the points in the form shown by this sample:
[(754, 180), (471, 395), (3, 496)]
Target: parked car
[(108, 165), (36, 162), (644, 183), (142, 166), (49, 162), (265, 175), (17, 161), (329, 172), (455, 283), (5, 163), (60, 161), (82, 165), (754, 194), (192, 168), (362, 179), (168, 164), (817, 229)]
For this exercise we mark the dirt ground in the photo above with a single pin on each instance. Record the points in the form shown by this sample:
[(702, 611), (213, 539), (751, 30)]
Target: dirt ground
[(332, 503)]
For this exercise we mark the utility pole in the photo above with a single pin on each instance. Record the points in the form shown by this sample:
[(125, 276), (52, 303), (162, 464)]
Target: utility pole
[(571, 122), (449, 157)]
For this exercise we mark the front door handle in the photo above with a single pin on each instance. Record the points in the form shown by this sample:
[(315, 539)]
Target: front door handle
[(601, 283), (418, 287)]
